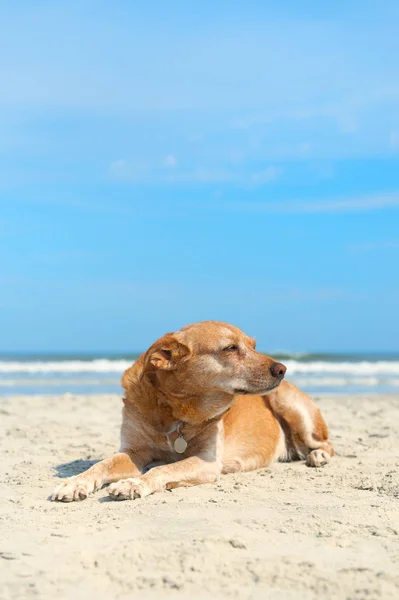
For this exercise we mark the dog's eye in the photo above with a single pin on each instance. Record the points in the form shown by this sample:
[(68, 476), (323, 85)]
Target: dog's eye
[(230, 348)]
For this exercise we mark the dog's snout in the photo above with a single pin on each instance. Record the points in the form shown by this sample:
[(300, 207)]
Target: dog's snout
[(278, 370)]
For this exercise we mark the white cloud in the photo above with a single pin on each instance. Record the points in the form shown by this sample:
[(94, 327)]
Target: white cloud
[(196, 137), (129, 170), (170, 161), (339, 205), (145, 173), (394, 139), (235, 156), (202, 176), (376, 245), (266, 176), (347, 123), (118, 167), (241, 178), (364, 203), (305, 148)]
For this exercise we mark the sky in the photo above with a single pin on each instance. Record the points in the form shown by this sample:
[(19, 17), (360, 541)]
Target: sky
[(163, 163)]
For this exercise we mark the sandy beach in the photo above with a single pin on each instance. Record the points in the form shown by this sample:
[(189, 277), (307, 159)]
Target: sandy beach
[(284, 532)]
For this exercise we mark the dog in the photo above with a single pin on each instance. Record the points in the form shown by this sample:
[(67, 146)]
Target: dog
[(200, 402)]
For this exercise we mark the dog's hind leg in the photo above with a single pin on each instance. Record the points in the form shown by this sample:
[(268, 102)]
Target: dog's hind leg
[(307, 435)]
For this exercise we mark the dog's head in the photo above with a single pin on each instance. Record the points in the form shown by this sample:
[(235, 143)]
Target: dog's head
[(210, 360)]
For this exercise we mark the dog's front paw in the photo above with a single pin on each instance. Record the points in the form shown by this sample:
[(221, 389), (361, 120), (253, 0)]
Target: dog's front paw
[(75, 488), (317, 458), (129, 489)]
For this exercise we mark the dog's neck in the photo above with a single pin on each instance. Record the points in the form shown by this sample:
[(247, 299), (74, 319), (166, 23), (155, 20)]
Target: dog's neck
[(165, 410), (187, 409)]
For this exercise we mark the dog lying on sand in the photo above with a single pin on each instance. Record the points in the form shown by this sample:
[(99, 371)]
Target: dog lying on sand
[(201, 402)]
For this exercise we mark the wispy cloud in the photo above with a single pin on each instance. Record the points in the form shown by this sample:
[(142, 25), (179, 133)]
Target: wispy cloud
[(128, 170), (170, 161), (374, 245), (119, 167), (265, 176), (340, 205), (394, 139), (202, 175), (144, 173)]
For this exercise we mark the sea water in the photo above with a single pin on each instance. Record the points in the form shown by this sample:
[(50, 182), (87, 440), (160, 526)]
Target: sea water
[(91, 374)]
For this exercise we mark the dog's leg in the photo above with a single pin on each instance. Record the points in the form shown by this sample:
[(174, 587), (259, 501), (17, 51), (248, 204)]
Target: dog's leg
[(111, 469), (307, 428), (189, 471), (202, 465)]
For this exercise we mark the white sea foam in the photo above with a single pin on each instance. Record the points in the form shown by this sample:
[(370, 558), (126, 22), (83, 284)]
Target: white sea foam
[(101, 365), (302, 382), (349, 368), (50, 382), (294, 367)]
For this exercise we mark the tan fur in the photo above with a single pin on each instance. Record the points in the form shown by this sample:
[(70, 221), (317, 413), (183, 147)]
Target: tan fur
[(230, 404)]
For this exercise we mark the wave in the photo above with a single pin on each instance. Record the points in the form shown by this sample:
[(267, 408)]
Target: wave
[(294, 367), (57, 382), (345, 381), (303, 382), (101, 365), (350, 368)]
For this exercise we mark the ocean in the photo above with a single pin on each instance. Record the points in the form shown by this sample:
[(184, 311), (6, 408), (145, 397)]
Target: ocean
[(90, 374)]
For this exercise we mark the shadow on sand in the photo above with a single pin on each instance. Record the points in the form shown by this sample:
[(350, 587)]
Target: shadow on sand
[(74, 467)]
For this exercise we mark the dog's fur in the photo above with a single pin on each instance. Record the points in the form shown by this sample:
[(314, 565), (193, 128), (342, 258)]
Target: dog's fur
[(207, 383)]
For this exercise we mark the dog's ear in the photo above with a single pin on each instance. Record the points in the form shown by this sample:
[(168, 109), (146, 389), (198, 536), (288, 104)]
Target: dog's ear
[(167, 353), (127, 378)]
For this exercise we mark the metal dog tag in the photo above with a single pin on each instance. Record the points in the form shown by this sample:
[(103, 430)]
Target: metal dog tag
[(180, 444)]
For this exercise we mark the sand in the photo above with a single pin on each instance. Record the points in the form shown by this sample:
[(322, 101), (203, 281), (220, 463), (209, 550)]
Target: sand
[(283, 532)]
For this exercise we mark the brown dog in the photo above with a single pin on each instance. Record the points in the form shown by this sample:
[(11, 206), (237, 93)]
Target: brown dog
[(201, 402)]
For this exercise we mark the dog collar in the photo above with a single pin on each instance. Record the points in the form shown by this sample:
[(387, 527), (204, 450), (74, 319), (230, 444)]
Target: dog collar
[(180, 444)]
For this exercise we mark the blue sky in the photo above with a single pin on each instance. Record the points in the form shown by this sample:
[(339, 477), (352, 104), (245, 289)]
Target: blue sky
[(161, 164)]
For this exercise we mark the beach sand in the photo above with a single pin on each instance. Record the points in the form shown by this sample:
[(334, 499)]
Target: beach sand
[(285, 532)]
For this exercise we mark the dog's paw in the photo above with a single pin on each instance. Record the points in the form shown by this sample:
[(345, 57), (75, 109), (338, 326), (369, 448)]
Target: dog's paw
[(317, 458), (75, 488), (129, 489)]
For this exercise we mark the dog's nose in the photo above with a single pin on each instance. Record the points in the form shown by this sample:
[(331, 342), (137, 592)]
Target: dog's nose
[(278, 370)]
